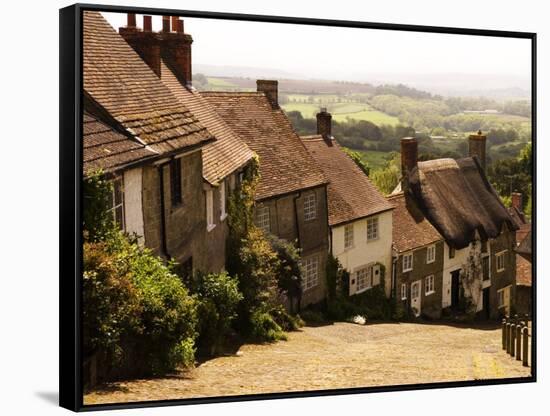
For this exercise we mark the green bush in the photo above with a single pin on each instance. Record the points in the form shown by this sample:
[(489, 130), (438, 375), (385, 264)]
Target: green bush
[(285, 320), (264, 328), (312, 316), (373, 304), (218, 296)]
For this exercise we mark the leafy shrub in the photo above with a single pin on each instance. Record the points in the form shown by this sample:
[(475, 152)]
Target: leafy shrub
[(312, 316), (289, 274), (218, 296), (264, 327), (285, 320), (373, 304), (97, 220)]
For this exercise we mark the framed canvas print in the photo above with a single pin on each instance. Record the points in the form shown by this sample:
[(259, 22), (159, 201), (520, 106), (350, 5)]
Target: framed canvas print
[(259, 207)]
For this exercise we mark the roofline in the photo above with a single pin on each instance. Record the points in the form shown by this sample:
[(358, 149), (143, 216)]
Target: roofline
[(419, 247), (339, 224), (323, 184)]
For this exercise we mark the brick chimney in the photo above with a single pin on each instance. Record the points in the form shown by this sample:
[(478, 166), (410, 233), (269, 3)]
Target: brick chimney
[(477, 144), (324, 123), (176, 51), (145, 42), (409, 159), (271, 89), (517, 201)]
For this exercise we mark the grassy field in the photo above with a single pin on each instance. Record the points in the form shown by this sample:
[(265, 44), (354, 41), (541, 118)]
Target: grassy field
[(343, 111), (374, 158), (219, 84)]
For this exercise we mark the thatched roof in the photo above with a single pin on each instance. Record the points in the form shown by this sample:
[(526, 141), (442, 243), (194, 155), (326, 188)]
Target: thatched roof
[(457, 198)]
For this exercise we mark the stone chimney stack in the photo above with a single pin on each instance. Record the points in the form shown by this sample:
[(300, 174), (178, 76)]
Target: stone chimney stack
[(271, 89), (324, 124), (409, 159), (517, 201), (144, 42), (477, 145)]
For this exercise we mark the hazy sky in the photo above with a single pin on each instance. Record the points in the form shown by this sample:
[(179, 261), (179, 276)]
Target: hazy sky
[(352, 54)]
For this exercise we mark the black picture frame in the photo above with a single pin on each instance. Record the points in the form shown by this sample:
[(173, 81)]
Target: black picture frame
[(70, 179)]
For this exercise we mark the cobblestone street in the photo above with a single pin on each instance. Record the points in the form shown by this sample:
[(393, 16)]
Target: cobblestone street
[(335, 356)]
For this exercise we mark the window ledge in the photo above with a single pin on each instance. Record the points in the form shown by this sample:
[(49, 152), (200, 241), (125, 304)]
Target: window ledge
[(430, 293), (430, 262), (223, 216), (407, 270), (210, 227)]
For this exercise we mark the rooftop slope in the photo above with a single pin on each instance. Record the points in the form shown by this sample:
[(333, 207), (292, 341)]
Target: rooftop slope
[(122, 84), (457, 198), (228, 153), (107, 149), (285, 164), (351, 195), (411, 229)]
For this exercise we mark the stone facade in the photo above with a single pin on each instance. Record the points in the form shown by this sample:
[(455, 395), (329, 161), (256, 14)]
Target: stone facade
[(429, 304), (505, 278), (287, 221)]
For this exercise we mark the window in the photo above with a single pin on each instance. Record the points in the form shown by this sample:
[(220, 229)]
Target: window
[(117, 202), (210, 210), (310, 207), (430, 254), (415, 289), (348, 236), (223, 200), (403, 291), (368, 277), (429, 285), (407, 262), (501, 258), (175, 181), (310, 272), (263, 220), (452, 253), (504, 297), (372, 229), (485, 266)]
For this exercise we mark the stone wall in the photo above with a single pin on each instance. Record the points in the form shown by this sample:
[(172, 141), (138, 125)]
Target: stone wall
[(430, 304), (505, 241)]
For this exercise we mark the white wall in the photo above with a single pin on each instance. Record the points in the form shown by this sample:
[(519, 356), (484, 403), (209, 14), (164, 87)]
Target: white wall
[(363, 253), (133, 207)]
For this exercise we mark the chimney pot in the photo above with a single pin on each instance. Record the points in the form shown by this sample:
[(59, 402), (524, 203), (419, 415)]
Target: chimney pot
[(409, 158), (180, 26), (131, 22), (166, 23), (175, 23), (324, 123), (517, 201), (147, 24), (477, 147), (271, 89)]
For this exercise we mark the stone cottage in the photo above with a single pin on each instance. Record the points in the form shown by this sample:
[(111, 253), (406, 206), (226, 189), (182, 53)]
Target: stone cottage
[(291, 198), (154, 145), (359, 216), (225, 159), (479, 270), (417, 259)]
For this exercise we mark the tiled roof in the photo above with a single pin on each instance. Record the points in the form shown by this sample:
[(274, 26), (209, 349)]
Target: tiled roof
[(410, 228), (285, 164), (223, 156), (107, 149), (457, 198), (351, 195), (523, 271), (526, 245), (118, 80), (517, 215)]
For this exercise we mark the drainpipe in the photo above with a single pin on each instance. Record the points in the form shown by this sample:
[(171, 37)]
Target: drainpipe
[(164, 245), (394, 274)]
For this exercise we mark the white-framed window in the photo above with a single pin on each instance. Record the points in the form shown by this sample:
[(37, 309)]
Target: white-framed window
[(210, 210), (407, 262), (310, 206), (310, 272), (348, 236), (452, 253), (223, 200), (263, 219), (372, 229), (501, 261), (367, 277), (403, 291), (429, 285), (500, 294), (117, 202), (430, 254), (415, 290)]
